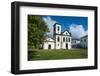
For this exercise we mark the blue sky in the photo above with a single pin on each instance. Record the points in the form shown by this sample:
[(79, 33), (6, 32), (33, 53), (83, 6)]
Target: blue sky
[(71, 23)]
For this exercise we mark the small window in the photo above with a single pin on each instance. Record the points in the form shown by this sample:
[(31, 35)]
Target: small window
[(84, 40), (58, 39), (54, 28), (69, 39), (63, 39), (58, 28), (75, 41)]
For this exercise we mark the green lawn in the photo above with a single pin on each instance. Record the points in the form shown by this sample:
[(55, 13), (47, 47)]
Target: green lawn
[(40, 54)]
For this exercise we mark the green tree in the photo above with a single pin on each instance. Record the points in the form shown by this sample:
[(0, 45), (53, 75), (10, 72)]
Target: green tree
[(37, 30)]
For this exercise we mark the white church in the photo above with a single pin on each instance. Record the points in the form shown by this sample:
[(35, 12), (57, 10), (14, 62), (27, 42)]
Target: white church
[(60, 40)]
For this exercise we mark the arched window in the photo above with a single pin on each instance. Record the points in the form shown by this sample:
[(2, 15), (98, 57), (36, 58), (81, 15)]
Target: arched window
[(69, 39), (58, 39), (63, 39), (58, 28)]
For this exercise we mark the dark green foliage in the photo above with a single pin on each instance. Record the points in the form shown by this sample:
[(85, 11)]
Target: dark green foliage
[(37, 30)]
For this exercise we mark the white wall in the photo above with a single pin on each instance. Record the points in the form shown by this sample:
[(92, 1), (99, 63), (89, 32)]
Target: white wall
[(64, 43), (5, 41), (69, 45), (84, 44), (46, 45)]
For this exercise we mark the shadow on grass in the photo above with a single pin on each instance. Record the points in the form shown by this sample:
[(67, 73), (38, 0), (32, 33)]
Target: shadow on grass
[(32, 54)]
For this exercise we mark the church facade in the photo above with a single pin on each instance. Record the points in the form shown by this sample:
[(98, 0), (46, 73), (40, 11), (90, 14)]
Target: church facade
[(60, 40)]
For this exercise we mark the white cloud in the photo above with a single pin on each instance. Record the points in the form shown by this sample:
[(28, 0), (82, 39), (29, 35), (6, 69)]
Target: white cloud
[(50, 24), (77, 31)]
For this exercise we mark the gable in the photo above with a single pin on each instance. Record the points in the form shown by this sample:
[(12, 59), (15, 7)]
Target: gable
[(66, 33), (49, 40)]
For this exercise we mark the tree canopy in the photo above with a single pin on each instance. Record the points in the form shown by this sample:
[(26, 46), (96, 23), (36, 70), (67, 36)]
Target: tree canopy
[(37, 30)]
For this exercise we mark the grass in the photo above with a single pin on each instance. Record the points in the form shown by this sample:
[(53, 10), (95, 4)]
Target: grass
[(40, 54)]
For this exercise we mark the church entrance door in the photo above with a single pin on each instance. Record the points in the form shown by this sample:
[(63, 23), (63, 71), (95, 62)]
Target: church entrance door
[(66, 46), (49, 46)]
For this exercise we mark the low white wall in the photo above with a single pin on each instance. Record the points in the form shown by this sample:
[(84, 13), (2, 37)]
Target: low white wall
[(46, 45)]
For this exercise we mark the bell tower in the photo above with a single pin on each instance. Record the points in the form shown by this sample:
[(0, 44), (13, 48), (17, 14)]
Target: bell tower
[(57, 28), (57, 35)]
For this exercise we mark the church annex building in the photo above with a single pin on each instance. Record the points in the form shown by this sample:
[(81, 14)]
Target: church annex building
[(60, 40)]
